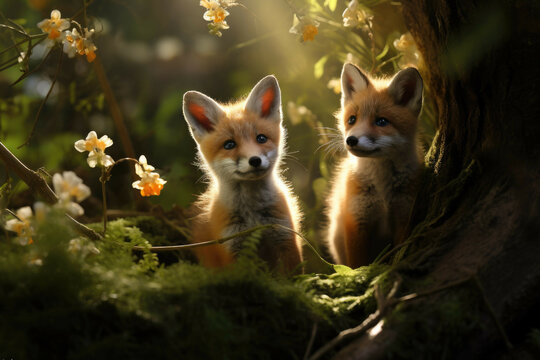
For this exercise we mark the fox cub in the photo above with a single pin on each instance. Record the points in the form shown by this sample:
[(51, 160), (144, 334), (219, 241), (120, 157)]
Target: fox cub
[(373, 191), (240, 149)]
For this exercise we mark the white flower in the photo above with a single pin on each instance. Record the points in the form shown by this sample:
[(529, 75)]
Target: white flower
[(82, 44), (354, 15), (143, 166), (215, 28), (69, 187), (53, 27), (410, 55), (96, 148), (216, 13), (304, 26), (22, 225), (69, 43), (334, 85), (22, 57), (150, 183)]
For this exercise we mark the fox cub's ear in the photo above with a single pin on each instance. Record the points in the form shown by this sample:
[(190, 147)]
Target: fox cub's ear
[(353, 81), (406, 89), (265, 99), (201, 112)]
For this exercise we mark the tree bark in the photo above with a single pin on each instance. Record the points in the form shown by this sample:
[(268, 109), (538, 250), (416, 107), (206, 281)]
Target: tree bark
[(477, 215)]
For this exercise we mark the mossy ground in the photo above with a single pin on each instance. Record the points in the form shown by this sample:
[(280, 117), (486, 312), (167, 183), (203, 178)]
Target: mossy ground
[(117, 304)]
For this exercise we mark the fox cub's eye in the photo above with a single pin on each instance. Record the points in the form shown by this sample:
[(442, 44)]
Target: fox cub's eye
[(261, 139), (229, 144), (380, 121), (352, 119)]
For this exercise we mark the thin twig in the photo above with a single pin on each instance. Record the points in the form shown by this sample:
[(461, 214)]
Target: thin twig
[(42, 36), (103, 180), (231, 237), (43, 102), (368, 323), (85, 5), (311, 341), (30, 72), (12, 63), (12, 214), (116, 113), (413, 296), (30, 177), (203, 243), (83, 229), (116, 162), (38, 185), (13, 29)]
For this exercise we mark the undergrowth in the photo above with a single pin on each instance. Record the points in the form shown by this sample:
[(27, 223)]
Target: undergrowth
[(79, 300)]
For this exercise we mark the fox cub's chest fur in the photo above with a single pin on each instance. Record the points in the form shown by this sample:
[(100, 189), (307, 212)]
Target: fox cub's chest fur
[(256, 204), (241, 146), (376, 182)]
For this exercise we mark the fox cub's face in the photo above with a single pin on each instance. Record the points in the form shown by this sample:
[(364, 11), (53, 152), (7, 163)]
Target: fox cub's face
[(238, 141), (377, 120)]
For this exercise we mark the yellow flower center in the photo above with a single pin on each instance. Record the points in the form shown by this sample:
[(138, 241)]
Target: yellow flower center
[(219, 15), (309, 32), (151, 189), (54, 34), (94, 144)]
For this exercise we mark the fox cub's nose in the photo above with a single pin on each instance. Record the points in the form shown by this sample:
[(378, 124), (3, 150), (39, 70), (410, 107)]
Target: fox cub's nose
[(255, 161), (352, 141)]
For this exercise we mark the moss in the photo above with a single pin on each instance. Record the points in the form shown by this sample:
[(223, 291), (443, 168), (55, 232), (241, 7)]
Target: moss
[(437, 330), (83, 305)]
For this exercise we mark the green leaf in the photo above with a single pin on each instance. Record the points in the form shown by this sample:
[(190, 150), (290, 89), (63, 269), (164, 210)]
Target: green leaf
[(331, 4), (318, 68)]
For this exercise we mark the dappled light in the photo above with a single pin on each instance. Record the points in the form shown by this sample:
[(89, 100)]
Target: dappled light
[(303, 179)]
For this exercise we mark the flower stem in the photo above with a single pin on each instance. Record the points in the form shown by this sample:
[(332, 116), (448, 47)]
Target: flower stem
[(103, 180)]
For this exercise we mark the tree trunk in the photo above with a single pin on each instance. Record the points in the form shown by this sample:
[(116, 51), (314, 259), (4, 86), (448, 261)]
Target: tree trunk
[(477, 217)]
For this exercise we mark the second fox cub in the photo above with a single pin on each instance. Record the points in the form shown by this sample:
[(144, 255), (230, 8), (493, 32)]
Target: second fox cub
[(373, 191), (240, 147)]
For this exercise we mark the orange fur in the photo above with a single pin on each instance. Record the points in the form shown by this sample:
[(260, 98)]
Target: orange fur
[(242, 195), (198, 112), (375, 183)]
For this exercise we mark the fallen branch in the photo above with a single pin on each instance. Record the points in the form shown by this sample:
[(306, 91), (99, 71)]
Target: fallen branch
[(384, 304), (38, 185)]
